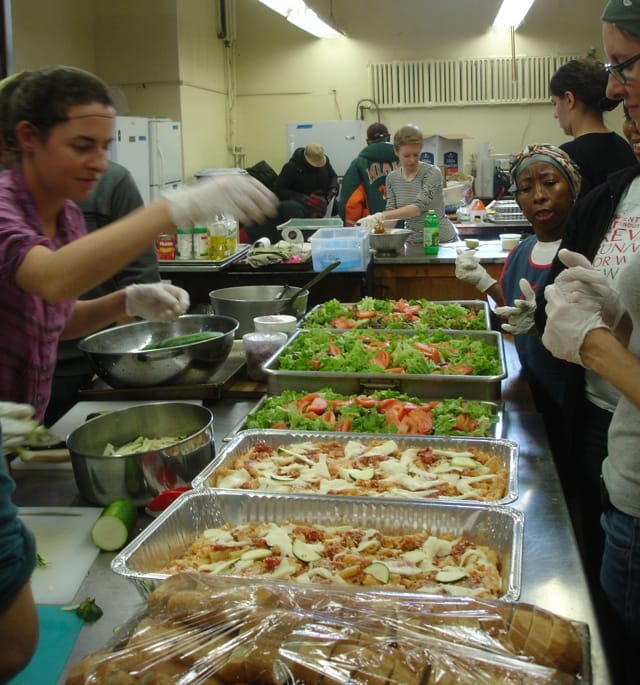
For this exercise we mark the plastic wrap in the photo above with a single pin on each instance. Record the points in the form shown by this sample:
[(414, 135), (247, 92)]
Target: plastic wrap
[(198, 629)]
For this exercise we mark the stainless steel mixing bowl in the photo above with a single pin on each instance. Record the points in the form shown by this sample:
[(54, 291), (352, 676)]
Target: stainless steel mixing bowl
[(142, 476), (392, 240), (117, 356), (244, 302)]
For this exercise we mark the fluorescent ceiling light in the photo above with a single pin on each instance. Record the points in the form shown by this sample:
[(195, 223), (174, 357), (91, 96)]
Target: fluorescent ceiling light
[(511, 14), (297, 12)]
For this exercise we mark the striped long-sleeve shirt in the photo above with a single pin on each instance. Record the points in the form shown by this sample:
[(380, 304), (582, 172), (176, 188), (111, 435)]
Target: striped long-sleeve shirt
[(424, 190)]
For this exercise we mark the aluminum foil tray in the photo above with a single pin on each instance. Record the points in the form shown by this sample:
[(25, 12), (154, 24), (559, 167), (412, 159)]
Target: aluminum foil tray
[(421, 385), (505, 450), (498, 428), (473, 305), (500, 527)]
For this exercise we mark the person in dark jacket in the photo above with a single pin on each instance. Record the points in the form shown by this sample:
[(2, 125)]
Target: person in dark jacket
[(309, 180), (578, 94), (363, 190)]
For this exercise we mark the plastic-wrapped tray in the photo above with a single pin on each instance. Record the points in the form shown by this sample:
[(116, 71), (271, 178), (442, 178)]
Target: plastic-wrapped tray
[(476, 306), (496, 430), (505, 451), (170, 535), (421, 385)]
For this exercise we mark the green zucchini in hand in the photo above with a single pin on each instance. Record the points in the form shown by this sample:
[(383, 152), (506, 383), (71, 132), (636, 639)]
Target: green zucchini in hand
[(182, 340)]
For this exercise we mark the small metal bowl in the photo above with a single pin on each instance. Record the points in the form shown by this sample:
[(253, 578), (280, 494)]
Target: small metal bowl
[(392, 240), (142, 476), (116, 354)]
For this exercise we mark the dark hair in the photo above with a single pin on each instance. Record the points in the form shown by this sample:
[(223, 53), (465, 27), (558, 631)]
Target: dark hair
[(44, 97), (9, 86), (587, 79)]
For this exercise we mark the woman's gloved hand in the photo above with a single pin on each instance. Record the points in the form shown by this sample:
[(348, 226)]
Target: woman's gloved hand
[(521, 315), (156, 301), (585, 284), (568, 322), (468, 269), (371, 221), (243, 197)]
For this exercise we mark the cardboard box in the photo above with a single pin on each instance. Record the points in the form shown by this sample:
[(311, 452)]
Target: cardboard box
[(444, 151)]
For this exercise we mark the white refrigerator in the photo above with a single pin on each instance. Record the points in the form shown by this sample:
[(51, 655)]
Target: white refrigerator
[(151, 149)]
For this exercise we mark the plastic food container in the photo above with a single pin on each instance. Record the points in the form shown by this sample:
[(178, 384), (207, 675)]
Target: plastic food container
[(509, 240), (349, 245), (282, 323), (258, 348)]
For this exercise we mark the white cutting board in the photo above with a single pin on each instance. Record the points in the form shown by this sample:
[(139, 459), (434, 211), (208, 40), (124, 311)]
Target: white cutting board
[(63, 539)]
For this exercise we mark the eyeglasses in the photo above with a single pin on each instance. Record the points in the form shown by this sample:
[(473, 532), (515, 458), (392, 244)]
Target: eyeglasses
[(618, 70)]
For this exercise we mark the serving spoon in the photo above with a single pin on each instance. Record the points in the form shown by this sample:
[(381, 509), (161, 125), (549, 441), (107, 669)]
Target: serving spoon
[(316, 279)]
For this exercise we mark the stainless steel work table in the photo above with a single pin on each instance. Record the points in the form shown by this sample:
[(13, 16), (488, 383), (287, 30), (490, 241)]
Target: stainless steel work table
[(552, 577)]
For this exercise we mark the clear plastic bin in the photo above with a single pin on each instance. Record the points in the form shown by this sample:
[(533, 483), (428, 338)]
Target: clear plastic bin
[(349, 245)]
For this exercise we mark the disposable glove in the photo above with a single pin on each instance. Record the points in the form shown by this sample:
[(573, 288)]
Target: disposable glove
[(583, 284), (243, 197), (521, 315), (371, 221), (568, 323), (468, 269), (156, 301)]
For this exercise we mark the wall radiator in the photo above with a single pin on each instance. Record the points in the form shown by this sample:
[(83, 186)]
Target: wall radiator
[(466, 81)]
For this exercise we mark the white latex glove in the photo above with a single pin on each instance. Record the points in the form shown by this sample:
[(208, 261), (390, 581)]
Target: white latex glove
[(567, 323), (371, 221), (156, 301), (468, 269), (243, 197), (583, 284), (521, 315)]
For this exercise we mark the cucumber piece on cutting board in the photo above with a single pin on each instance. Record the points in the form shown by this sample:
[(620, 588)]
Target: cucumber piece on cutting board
[(111, 531)]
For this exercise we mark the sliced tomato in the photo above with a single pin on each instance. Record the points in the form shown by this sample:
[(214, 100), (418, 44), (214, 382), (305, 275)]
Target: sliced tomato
[(366, 401), (314, 364), (334, 350), (365, 314), (343, 323), (462, 422), (303, 403), (396, 369), (329, 418), (382, 359), (338, 404), (318, 405), (279, 425), (344, 425), (418, 422), (389, 403), (429, 351), (461, 369)]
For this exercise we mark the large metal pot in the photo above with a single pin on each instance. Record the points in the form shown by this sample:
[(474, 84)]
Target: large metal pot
[(244, 302), (142, 476)]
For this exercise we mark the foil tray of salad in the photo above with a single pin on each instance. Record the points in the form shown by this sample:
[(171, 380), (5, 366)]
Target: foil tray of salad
[(425, 363), (400, 314)]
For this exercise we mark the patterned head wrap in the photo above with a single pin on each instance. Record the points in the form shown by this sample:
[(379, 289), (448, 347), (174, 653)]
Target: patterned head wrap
[(551, 155), (623, 13)]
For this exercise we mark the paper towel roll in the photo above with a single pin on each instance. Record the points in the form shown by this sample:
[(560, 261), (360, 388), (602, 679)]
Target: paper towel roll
[(293, 236)]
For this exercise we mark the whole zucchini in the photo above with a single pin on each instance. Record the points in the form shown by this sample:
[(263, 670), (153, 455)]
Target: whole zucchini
[(182, 340)]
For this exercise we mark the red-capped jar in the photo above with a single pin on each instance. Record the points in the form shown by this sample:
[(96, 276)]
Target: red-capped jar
[(166, 246)]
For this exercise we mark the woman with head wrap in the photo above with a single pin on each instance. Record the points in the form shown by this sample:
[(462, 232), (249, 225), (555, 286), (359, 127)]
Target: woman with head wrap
[(594, 322), (578, 97), (546, 183)]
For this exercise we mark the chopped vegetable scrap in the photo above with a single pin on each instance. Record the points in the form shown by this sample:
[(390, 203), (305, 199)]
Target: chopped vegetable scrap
[(141, 444), (87, 610), (373, 351), (372, 313), (383, 411), (41, 562)]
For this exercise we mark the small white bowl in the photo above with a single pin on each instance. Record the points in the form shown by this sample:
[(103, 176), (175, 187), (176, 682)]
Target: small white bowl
[(271, 323), (509, 240)]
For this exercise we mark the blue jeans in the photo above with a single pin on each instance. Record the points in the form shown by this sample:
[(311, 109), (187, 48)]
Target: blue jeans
[(620, 571)]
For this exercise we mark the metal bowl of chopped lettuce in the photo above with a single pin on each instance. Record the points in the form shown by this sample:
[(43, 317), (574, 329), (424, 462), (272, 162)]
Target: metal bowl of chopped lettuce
[(186, 351), (140, 451)]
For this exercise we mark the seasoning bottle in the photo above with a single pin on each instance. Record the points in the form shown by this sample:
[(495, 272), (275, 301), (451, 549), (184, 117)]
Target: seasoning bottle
[(431, 235), (184, 244), (200, 242), (166, 246)]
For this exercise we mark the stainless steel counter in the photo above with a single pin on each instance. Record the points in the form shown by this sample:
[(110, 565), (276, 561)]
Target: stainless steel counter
[(489, 252), (552, 573)]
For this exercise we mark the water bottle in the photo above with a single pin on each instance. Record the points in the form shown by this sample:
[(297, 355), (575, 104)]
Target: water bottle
[(431, 239)]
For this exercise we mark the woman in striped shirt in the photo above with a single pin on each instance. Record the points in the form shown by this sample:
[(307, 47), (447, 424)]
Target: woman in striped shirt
[(413, 189)]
